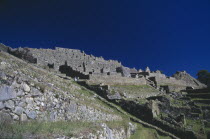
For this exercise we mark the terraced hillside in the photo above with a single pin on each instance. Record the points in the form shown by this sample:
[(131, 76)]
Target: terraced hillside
[(201, 99), (182, 113), (39, 103)]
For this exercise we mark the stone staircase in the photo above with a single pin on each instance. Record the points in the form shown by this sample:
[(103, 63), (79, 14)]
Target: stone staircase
[(151, 83)]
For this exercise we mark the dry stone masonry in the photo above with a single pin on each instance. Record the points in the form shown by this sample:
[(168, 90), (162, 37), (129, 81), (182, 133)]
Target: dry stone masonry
[(77, 64)]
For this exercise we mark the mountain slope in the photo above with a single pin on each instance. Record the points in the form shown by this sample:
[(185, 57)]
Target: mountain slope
[(38, 103)]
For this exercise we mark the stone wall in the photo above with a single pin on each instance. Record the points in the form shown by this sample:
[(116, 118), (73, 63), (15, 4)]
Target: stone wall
[(156, 74), (116, 80), (23, 103), (75, 63), (76, 59)]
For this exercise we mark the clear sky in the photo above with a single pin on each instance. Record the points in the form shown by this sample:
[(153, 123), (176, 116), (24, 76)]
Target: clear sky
[(169, 35)]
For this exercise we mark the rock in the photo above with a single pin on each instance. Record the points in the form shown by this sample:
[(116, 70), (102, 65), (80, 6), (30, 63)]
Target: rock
[(15, 117), (22, 104), (15, 85), (115, 96), (29, 100), (7, 92), (3, 76), (35, 92), (9, 104), (31, 114), (30, 106), (20, 93), (18, 110), (3, 65), (72, 107), (23, 117), (53, 116), (2, 105), (25, 87), (5, 118)]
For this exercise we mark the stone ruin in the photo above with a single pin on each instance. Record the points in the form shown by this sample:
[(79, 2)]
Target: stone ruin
[(76, 63)]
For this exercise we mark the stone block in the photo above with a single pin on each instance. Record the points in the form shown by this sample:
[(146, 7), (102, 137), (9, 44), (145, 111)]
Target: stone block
[(10, 104), (7, 92)]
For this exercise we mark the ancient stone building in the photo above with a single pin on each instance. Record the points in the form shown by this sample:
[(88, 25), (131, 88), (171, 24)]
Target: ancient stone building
[(75, 63), (76, 60)]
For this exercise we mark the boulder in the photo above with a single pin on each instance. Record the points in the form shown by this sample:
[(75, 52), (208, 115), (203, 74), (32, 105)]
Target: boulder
[(20, 93), (31, 114), (18, 110), (2, 105), (10, 104), (35, 92), (15, 85), (25, 87), (3, 76), (7, 92)]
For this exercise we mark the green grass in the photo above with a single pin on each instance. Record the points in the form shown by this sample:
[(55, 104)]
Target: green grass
[(132, 86), (133, 89), (177, 103), (145, 133), (114, 125), (142, 101), (17, 130), (195, 124), (200, 105), (199, 98)]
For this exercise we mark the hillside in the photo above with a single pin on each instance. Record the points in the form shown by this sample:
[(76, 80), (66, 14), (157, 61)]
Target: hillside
[(65, 93), (39, 103)]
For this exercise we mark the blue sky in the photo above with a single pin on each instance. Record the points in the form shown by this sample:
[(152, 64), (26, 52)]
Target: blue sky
[(166, 35)]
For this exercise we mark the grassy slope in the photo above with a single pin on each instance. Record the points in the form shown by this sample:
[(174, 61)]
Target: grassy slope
[(134, 91), (60, 87)]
